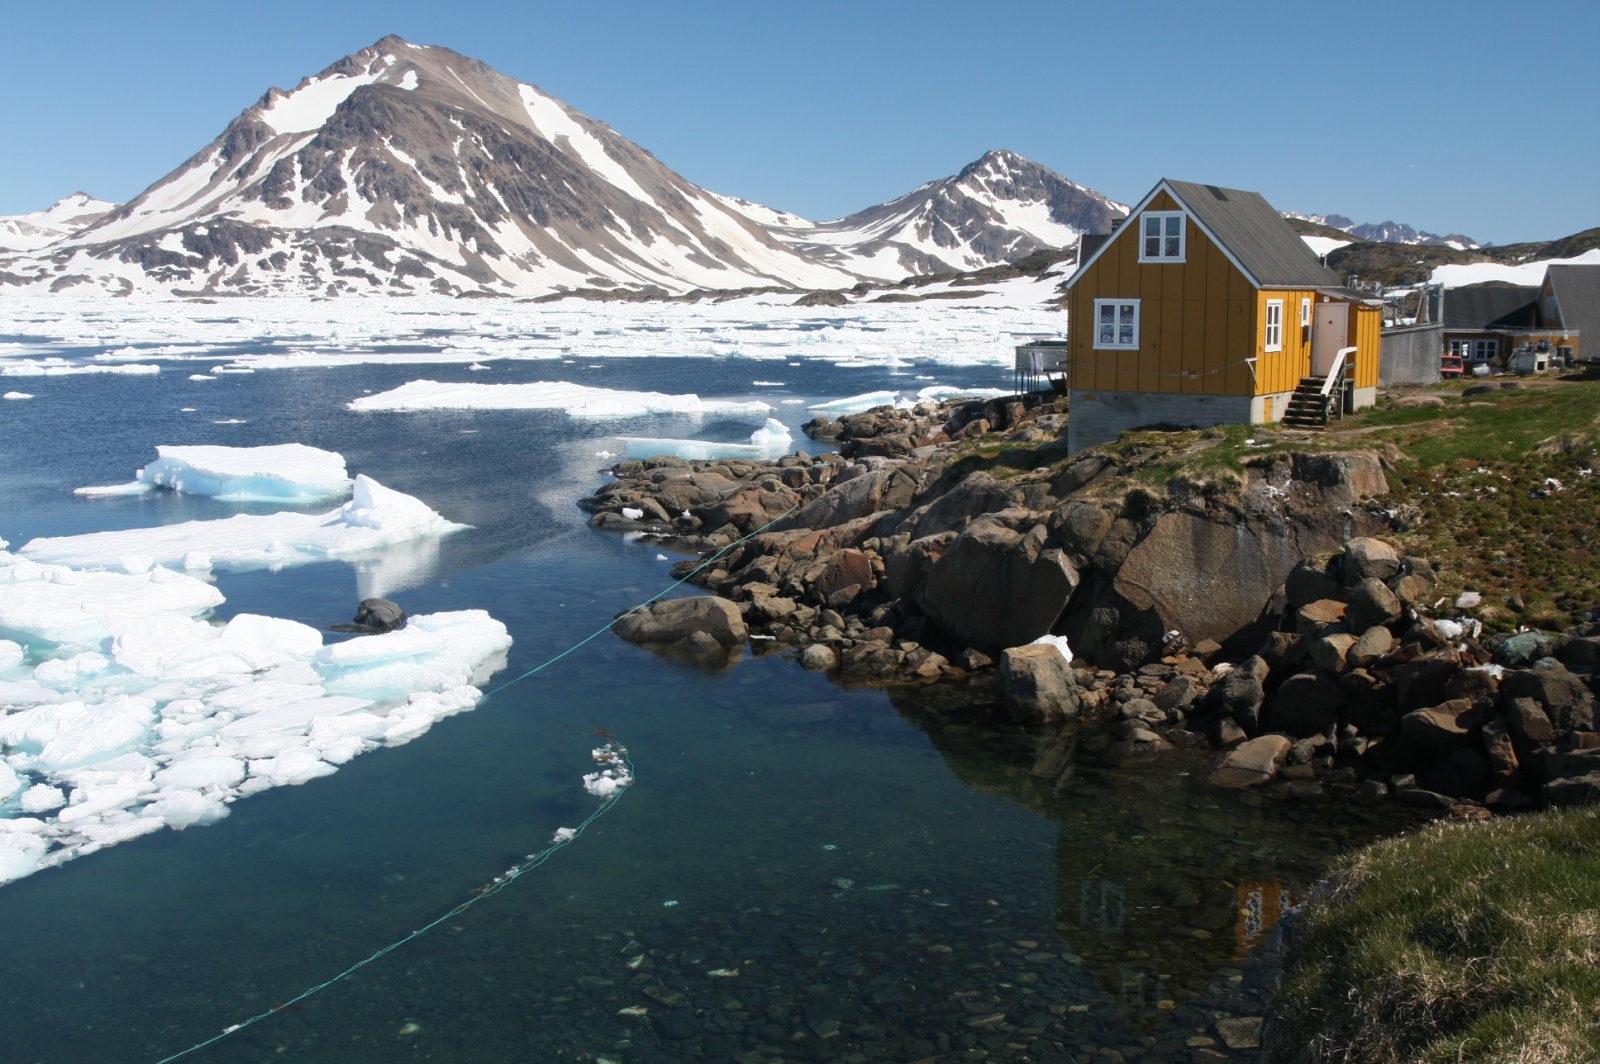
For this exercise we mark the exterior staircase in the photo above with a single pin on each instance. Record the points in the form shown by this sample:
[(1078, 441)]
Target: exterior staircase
[(1308, 407)]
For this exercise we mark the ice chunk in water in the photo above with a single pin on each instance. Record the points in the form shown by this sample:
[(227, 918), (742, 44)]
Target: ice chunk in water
[(771, 440), (288, 472), (374, 518)]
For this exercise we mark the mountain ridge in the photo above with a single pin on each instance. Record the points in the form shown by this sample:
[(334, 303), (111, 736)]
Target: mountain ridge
[(407, 168)]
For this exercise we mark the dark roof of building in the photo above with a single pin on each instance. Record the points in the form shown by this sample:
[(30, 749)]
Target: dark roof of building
[(1258, 237), (1493, 306), (1577, 289)]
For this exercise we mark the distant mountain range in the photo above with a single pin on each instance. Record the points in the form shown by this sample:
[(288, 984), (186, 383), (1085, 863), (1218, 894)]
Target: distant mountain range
[(1387, 232), (408, 169)]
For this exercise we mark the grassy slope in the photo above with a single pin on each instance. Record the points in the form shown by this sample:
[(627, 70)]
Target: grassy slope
[(1471, 942)]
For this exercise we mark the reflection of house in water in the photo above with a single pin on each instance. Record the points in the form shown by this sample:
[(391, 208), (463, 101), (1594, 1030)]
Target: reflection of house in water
[(1162, 882)]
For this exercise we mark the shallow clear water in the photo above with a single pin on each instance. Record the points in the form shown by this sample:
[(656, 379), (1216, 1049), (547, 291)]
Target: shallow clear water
[(885, 872)]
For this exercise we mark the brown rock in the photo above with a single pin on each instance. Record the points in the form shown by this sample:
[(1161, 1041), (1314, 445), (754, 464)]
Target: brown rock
[(1372, 603), (1367, 557), (1315, 616), (1503, 762), (1252, 763), (1329, 652), (1037, 685), (671, 620), (1374, 643), (1443, 729), (994, 588)]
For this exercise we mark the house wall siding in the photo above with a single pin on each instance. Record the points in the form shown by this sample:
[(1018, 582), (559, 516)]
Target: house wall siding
[(1198, 320)]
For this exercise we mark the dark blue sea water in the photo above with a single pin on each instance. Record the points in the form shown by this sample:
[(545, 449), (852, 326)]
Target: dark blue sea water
[(801, 872)]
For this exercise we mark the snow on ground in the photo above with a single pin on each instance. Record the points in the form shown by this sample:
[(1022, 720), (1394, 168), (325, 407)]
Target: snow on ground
[(771, 440), (126, 711), (376, 517), (288, 472), (577, 400), (1529, 273)]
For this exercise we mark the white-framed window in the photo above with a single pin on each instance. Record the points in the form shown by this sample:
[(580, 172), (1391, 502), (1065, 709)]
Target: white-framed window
[(1161, 236), (1274, 325), (1305, 313), (1116, 324)]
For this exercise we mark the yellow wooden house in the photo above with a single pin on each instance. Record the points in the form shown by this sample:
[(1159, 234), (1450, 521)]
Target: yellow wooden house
[(1204, 307)]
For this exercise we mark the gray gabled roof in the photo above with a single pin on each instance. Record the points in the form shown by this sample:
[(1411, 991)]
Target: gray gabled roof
[(1491, 307), (1264, 245), (1250, 233), (1577, 289)]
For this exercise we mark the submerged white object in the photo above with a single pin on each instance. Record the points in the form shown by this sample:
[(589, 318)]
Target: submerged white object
[(135, 713), (375, 517), (771, 440), (285, 472), (577, 400)]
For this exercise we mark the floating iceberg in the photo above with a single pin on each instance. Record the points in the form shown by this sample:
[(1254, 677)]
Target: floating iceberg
[(856, 404), (287, 472), (375, 517), (577, 400), (128, 712), (771, 440)]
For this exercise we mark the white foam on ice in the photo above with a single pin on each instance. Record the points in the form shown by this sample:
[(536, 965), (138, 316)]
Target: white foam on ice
[(376, 517), (577, 400), (141, 714), (771, 440), (288, 472)]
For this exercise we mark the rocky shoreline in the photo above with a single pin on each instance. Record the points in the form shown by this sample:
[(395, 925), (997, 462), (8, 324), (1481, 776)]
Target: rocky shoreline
[(1257, 612)]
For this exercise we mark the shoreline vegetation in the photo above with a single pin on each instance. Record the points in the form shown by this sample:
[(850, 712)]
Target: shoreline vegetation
[(1401, 608)]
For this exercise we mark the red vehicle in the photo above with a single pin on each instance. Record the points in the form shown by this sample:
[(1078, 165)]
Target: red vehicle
[(1450, 366)]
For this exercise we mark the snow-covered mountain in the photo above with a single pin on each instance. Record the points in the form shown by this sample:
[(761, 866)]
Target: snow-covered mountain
[(995, 210), (407, 168), (28, 232), (1388, 232)]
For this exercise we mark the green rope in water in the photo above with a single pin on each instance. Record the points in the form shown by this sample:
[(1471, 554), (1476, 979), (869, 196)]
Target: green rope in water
[(616, 754)]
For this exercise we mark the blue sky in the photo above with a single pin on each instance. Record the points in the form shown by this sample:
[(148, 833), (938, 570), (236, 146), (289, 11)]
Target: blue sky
[(1473, 117)]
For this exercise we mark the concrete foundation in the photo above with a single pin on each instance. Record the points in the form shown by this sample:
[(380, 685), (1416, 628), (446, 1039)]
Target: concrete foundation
[(1100, 417)]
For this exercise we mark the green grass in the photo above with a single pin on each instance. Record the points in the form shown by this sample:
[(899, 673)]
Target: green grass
[(1475, 942)]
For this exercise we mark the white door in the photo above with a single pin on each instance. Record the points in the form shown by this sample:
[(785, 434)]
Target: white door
[(1330, 330)]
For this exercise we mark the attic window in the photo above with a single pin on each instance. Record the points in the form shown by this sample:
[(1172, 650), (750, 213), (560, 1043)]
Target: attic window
[(1116, 324), (1161, 236)]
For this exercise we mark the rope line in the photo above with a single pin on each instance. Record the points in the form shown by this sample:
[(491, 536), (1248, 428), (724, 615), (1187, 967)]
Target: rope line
[(611, 753)]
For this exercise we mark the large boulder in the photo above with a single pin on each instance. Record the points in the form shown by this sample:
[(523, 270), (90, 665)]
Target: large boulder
[(699, 623), (1037, 684), (1565, 699), (1207, 578), (863, 494), (995, 588)]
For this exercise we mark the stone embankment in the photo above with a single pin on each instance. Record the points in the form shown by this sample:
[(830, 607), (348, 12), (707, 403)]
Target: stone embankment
[(1255, 612)]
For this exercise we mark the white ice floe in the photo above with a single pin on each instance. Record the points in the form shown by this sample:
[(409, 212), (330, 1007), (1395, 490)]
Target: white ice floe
[(376, 517), (126, 711), (17, 395), (288, 472), (771, 440), (855, 404), (577, 400), (60, 367)]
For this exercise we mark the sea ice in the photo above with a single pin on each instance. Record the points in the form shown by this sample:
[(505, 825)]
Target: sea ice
[(141, 714), (288, 472), (771, 440), (375, 517), (17, 395), (578, 400)]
